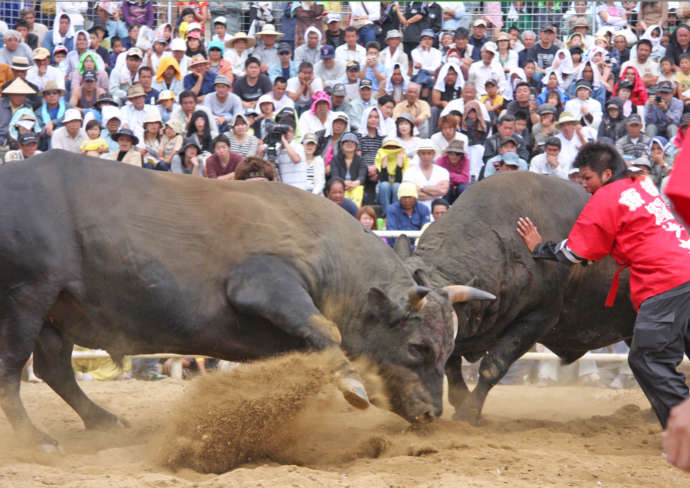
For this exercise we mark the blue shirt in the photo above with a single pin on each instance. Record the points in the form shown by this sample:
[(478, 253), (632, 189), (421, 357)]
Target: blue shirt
[(397, 218), (206, 85), (369, 75)]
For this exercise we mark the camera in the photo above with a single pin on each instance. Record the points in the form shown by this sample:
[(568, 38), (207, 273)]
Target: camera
[(657, 99), (275, 132)]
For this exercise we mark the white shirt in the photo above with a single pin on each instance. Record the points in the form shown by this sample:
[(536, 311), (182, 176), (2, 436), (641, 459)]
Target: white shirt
[(416, 176), (309, 122), (389, 60), (134, 119), (648, 68), (51, 74), (541, 166), (479, 74), (304, 100), (373, 9), (236, 60), (282, 103), (430, 60), (570, 148), (344, 54), (334, 74), (74, 10), (62, 140), (441, 142), (574, 106), (459, 105)]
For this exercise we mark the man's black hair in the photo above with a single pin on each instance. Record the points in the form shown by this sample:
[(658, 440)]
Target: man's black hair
[(506, 118), (350, 29), (146, 68), (386, 99), (331, 182), (462, 33), (279, 79), (600, 156), (250, 60), (186, 94), (371, 44), (305, 65), (521, 115), (644, 41), (439, 201), (21, 23)]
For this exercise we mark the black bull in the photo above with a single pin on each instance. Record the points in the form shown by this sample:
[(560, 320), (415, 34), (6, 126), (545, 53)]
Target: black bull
[(554, 304), (135, 261)]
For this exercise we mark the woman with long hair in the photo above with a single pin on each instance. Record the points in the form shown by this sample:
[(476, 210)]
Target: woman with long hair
[(241, 141), (199, 128), (349, 166), (404, 127)]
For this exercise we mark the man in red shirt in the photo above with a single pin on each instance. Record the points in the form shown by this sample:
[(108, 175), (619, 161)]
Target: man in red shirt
[(626, 218)]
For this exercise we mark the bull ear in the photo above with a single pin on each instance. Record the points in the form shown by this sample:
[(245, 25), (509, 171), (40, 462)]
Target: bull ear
[(462, 293), (382, 306), (403, 247), (421, 278), (417, 296)]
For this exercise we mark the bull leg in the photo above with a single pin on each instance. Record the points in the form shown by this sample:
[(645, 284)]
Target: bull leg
[(457, 388), (271, 288), (52, 360), (18, 333), (517, 340)]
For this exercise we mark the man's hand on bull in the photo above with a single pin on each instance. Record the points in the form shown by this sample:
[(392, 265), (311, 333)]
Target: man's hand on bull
[(529, 233)]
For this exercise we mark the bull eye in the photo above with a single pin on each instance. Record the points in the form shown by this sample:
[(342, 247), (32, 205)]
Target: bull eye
[(420, 352)]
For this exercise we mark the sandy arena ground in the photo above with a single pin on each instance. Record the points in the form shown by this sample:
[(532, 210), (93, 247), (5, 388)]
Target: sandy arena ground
[(530, 437)]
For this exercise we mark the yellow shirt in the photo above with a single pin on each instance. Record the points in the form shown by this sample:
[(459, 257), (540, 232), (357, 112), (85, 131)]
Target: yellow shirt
[(93, 144), (682, 80), (497, 100)]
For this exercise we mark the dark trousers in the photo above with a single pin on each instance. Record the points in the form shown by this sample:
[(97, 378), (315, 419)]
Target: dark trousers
[(660, 339)]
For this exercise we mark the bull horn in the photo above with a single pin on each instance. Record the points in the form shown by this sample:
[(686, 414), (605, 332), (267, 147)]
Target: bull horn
[(462, 293), (417, 296)]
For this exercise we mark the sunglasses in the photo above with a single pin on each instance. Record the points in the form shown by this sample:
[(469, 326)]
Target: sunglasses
[(453, 153), (284, 52), (52, 93)]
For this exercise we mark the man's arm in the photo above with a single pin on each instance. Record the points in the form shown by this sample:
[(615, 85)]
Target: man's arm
[(549, 250)]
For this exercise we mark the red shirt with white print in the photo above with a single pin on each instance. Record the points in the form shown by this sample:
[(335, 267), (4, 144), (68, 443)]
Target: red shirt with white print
[(628, 220)]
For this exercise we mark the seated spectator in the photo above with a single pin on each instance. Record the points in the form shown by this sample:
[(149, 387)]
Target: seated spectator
[(612, 126), (318, 117), (404, 131), (335, 36), (170, 143), (122, 78), (360, 104), (126, 153), (94, 145), (506, 162), (291, 160), (394, 54), (663, 112), (134, 112), (487, 68), (195, 45), (457, 164), (151, 140), (335, 191), (647, 68), (241, 141), (238, 52), (432, 181), (448, 87), (552, 83), (278, 95), (681, 79), (146, 81), (583, 107), (449, 125), (661, 165), (223, 104), (418, 109), (267, 51), (350, 50), (476, 129), (70, 136), (573, 136), (199, 129), (373, 70), (23, 121), (178, 48), (255, 169), (624, 89), (391, 163), (218, 65), (367, 217), (28, 15), (200, 80), (545, 128), (222, 163), (506, 128), (634, 144), (168, 76), (438, 208), (287, 68), (637, 91), (85, 95), (302, 88), (309, 51), (491, 99), (14, 47), (188, 106), (42, 72), (550, 162), (349, 166), (408, 213), (187, 161), (329, 138), (28, 147), (339, 101), (315, 170), (252, 85), (425, 57), (112, 120), (62, 35), (166, 104), (370, 140), (329, 70)]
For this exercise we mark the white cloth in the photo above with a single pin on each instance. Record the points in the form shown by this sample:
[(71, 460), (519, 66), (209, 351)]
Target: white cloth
[(479, 73), (570, 148), (332, 75), (389, 60), (75, 10), (430, 60), (237, 60), (442, 143), (459, 105), (373, 10), (308, 122), (574, 106), (415, 175), (440, 84), (346, 55), (134, 119), (541, 166), (648, 68), (51, 74), (62, 140)]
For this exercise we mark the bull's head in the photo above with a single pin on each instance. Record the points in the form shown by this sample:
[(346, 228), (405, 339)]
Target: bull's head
[(411, 339)]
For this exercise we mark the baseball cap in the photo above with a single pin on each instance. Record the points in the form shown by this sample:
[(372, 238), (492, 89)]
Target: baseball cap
[(427, 33), (310, 137), (407, 189), (135, 51), (353, 65), (220, 20), (349, 136), (664, 87), (506, 140), (89, 75), (27, 138), (332, 18), (393, 34), (327, 52), (582, 83), (633, 119), (166, 95), (546, 108), (490, 46), (71, 114), (284, 47), (547, 28), (426, 145), (339, 90), (479, 22), (365, 83), (511, 159), (178, 44), (553, 141)]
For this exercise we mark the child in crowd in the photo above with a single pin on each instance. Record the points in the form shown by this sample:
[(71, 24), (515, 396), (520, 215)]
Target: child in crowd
[(493, 100), (117, 47), (171, 142), (534, 84), (682, 78), (316, 178), (666, 70), (60, 58), (624, 93), (166, 104), (95, 145)]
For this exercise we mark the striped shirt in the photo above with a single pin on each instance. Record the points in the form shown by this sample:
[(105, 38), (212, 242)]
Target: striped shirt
[(369, 146)]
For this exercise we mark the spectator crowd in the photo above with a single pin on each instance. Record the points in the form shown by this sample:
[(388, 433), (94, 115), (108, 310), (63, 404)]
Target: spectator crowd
[(389, 109)]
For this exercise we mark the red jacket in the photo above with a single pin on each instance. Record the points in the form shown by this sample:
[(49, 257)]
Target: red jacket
[(678, 188), (628, 220)]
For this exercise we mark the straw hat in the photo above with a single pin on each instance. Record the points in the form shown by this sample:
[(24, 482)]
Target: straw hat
[(153, 116), (251, 42), (269, 30), (18, 87), (20, 63), (391, 142), (198, 59), (40, 53), (567, 117), (136, 91), (427, 145), (503, 36), (52, 85)]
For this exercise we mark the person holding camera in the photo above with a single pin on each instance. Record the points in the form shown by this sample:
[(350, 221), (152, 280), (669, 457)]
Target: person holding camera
[(663, 112), (291, 160)]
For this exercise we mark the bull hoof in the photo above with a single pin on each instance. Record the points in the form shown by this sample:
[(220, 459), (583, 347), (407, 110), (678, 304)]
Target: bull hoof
[(469, 415), (354, 393)]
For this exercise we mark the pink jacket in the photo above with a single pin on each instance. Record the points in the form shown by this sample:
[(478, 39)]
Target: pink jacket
[(459, 174)]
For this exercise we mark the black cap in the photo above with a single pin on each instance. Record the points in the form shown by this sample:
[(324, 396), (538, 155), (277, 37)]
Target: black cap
[(664, 87), (27, 138), (553, 141), (106, 98), (548, 27), (284, 47), (365, 83), (126, 132), (512, 139), (353, 65), (582, 83), (625, 84), (89, 75)]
